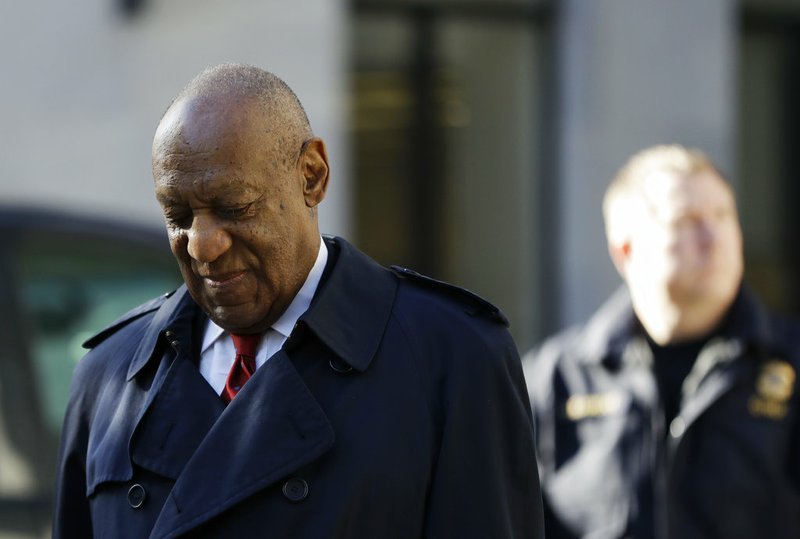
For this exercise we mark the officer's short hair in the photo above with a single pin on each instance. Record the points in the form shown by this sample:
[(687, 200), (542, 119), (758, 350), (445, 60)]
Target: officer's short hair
[(626, 187)]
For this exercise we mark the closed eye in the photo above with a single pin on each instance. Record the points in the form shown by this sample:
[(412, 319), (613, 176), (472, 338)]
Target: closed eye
[(178, 219), (234, 212)]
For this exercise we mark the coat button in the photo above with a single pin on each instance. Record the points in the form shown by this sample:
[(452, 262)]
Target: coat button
[(339, 365), (295, 489), (136, 496), (172, 338)]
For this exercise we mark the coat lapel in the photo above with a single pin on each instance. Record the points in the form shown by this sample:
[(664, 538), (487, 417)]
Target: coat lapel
[(179, 417), (272, 427)]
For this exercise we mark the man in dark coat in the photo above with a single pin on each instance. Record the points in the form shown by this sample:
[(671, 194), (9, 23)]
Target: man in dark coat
[(371, 403), (673, 413)]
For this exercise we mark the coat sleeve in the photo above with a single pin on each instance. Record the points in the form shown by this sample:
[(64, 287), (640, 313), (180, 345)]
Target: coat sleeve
[(71, 516), (485, 482)]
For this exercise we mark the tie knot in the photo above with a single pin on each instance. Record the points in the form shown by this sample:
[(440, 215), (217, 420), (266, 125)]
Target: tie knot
[(246, 345)]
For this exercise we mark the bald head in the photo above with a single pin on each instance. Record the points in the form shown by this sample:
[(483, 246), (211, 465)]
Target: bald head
[(268, 99), (242, 81), (239, 175)]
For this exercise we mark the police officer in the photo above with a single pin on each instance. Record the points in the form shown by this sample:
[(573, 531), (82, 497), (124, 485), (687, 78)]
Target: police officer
[(673, 411)]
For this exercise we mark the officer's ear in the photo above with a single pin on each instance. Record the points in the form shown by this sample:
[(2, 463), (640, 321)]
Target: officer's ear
[(620, 252), (314, 170)]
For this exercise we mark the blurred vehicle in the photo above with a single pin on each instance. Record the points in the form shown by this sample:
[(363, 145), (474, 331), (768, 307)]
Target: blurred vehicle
[(62, 278)]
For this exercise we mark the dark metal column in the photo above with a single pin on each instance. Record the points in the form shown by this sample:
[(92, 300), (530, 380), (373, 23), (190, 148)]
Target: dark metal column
[(790, 160), (427, 148)]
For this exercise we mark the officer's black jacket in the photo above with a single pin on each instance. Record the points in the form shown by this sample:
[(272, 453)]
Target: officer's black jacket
[(725, 467)]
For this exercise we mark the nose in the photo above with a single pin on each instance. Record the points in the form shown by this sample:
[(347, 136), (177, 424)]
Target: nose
[(207, 239), (707, 233)]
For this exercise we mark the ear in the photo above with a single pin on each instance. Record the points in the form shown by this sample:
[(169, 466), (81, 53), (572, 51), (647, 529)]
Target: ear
[(620, 252), (314, 170)]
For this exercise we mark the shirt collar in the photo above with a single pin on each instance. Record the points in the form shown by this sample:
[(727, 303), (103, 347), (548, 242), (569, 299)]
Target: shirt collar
[(302, 300), (299, 305)]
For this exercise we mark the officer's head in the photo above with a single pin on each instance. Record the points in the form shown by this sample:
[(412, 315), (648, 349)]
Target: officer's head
[(239, 174), (673, 232)]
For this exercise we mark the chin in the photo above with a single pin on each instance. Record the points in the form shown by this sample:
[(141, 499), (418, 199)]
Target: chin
[(703, 288), (231, 321), (718, 293)]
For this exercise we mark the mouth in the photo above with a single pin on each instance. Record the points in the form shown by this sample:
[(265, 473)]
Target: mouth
[(223, 280)]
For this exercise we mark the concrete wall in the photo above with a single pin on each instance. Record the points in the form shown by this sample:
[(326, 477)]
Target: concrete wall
[(632, 73), (84, 87)]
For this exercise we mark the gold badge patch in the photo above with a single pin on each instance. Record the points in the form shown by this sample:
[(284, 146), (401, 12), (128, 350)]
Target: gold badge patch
[(593, 405), (774, 387)]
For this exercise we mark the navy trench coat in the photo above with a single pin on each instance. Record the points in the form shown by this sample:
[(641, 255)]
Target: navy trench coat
[(396, 409)]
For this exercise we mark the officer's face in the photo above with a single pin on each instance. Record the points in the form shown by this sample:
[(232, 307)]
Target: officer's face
[(238, 215), (689, 243)]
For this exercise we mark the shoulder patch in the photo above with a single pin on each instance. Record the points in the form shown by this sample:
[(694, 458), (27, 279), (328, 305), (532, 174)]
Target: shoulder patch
[(477, 305), (125, 319)]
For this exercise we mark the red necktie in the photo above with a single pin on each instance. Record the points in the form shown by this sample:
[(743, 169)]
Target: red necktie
[(244, 366)]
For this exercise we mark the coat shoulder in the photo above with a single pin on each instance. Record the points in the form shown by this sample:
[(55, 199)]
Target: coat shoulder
[(561, 346), (472, 303), (125, 319), (543, 362), (787, 330)]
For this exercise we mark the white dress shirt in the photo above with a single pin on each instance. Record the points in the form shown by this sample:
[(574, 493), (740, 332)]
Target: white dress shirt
[(217, 352)]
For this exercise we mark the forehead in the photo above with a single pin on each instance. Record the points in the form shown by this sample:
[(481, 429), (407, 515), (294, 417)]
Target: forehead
[(674, 194), (207, 145), (206, 124)]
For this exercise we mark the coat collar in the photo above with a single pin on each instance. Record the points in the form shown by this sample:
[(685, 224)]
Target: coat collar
[(352, 306), (349, 312), (612, 327), (608, 331), (748, 320), (173, 317)]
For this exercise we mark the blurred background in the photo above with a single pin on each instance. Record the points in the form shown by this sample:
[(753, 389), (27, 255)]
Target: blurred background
[(469, 139)]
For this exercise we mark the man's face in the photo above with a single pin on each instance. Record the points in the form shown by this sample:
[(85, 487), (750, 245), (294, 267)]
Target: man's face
[(689, 242), (235, 211)]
